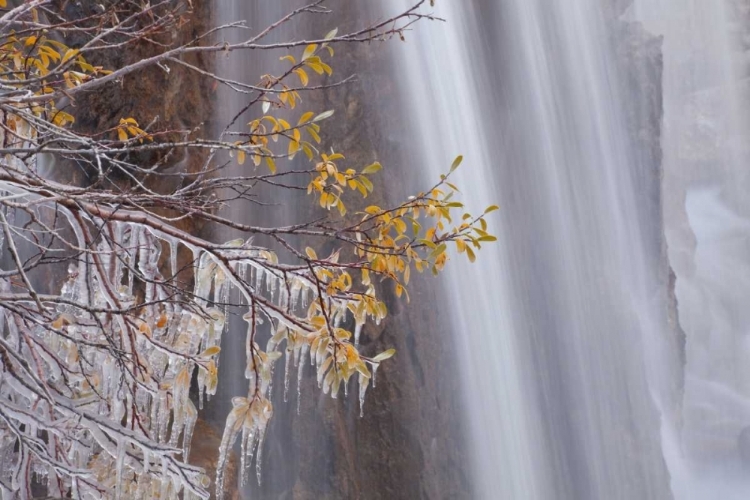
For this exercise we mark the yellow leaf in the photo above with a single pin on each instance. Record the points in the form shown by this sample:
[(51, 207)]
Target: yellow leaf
[(313, 134), (162, 321), (317, 67), (366, 183), (456, 162), (384, 355), (145, 329), (271, 164), (470, 253), (69, 54), (308, 150), (62, 118), (305, 117), (311, 253), (362, 189), (400, 226), (289, 58), (371, 169), (309, 50), (461, 246), (211, 351), (122, 135), (302, 76), (241, 157)]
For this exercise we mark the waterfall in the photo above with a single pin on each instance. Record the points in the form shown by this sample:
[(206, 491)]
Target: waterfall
[(557, 327), (707, 225)]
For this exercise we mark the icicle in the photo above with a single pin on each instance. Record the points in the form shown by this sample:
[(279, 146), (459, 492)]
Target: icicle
[(283, 296), (294, 293), (363, 381), (374, 372), (271, 285), (357, 332), (287, 359), (258, 280), (202, 374), (259, 452), (74, 488), (173, 256), (300, 368), (162, 419), (224, 295), (164, 478), (246, 434), (120, 464), (146, 461), (242, 272), (119, 229), (231, 428), (191, 416)]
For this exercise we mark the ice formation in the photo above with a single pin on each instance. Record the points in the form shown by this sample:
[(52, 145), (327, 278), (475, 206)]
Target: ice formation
[(94, 398)]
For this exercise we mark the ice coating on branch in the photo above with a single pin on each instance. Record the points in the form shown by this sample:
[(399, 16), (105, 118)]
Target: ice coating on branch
[(112, 364)]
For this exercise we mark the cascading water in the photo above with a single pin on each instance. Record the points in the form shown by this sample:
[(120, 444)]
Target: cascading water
[(554, 324), (707, 225)]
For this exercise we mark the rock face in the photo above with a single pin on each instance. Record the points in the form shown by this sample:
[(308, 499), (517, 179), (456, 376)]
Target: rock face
[(641, 58), (641, 61), (204, 452)]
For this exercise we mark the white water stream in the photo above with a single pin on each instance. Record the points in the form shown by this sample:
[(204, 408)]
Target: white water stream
[(707, 224), (555, 322)]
